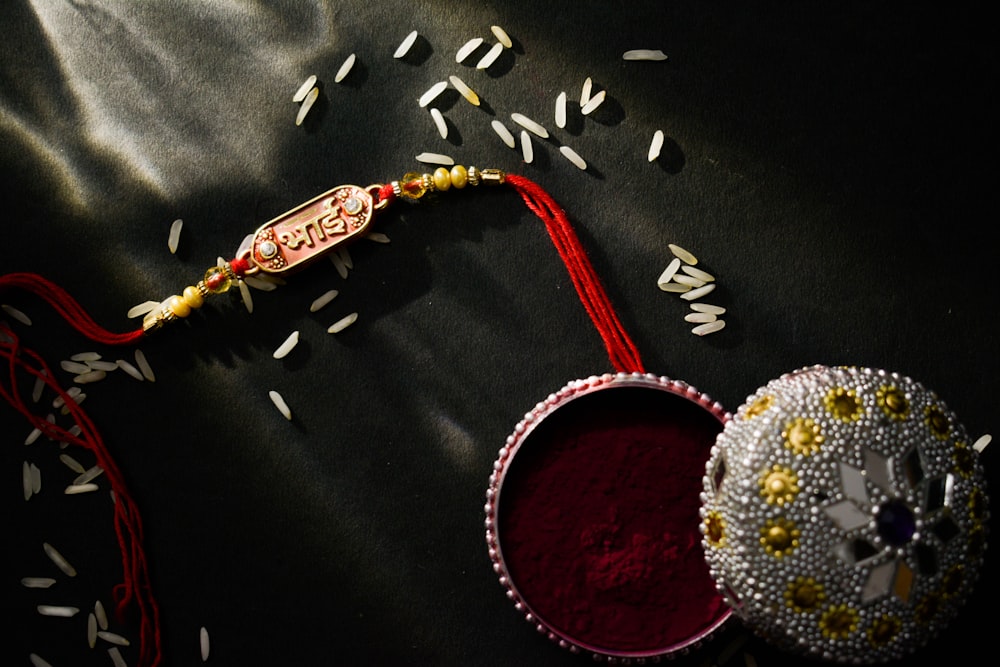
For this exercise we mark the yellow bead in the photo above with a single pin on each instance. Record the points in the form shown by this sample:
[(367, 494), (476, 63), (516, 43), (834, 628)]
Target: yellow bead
[(217, 281), (442, 178), (178, 306), (459, 176), (192, 297), (413, 185)]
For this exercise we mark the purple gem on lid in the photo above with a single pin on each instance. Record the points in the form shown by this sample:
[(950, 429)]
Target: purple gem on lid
[(895, 523)]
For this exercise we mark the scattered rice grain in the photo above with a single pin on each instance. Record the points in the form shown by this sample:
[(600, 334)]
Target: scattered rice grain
[(345, 257), (38, 661), (709, 327), (682, 254), (322, 300), (502, 36), (203, 640), (561, 110), (573, 157), (675, 287), (113, 638), (143, 364), (345, 69), (593, 103), (470, 95), (85, 356), (307, 104), (57, 610), (26, 480), (174, 237), (700, 317), (59, 560), (304, 89), (435, 158), (588, 85), (342, 323), (33, 436), (698, 292), (141, 309), (36, 391), (279, 402), (260, 284), (685, 279), (76, 489), (91, 630), (503, 133), (707, 308), (432, 93), (245, 295), (74, 367), (101, 615), (529, 124), (467, 49), (655, 146), (377, 237), (668, 273), (405, 46), (37, 582), (130, 369), (527, 150), (439, 122), (644, 54), (16, 314), (116, 657), (101, 365), (698, 273), (980, 444), (90, 376), (72, 463), (88, 475), (287, 346), (338, 263), (36, 478), (490, 57)]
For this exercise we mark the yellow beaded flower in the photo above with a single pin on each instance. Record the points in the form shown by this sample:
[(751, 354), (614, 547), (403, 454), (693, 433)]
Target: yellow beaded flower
[(804, 594), (965, 460), (779, 485), (715, 528), (843, 404), (802, 436), (937, 422), (779, 537), (839, 622), (883, 630), (893, 402), (759, 406)]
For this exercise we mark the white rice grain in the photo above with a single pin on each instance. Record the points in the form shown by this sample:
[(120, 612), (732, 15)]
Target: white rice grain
[(90, 376), (101, 615), (143, 364), (682, 254), (304, 89), (431, 94), (573, 157), (36, 391), (698, 273), (204, 642), (26, 480), (279, 402), (502, 36), (468, 93), (668, 273), (490, 57), (113, 638), (85, 357), (698, 292), (91, 630), (980, 444), (33, 436), (529, 124), (261, 284), (245, 295), (345, 257), (174, 237), (378, 237), (38, 661), (345, 69), (16, 314), (527, 150), (707, 308), (561, 110), (59, 560), (74, 367), (593, 103), (466, 50), (405, 46), (588, 85), (503, 133), (655, 146), (36, 478), (338, 263), (287, 346), (76, 489), (700, 318), (709, 327), (101, 365), (644, 54), (439, 122), (130, 369), (675, 287), (37, 582), (342, 323), (322, 300), (685, 279), (89, 475), (57, 610), (141, 309), (307, 104), (116, 657), (435, 158)]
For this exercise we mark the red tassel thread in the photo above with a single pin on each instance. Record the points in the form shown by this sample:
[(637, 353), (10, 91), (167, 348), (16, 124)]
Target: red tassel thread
[(136, 586)]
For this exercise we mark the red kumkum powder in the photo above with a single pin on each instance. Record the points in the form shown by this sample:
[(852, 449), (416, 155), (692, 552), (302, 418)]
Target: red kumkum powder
[(598, 524)]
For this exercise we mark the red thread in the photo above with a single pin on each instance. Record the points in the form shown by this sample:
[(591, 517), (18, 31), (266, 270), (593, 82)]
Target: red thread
[(621, 350)]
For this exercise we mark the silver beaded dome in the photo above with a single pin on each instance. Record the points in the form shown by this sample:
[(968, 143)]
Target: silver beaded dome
[(844, 514)]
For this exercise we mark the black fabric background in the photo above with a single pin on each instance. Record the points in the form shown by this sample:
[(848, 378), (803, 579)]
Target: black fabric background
[(832, 164)]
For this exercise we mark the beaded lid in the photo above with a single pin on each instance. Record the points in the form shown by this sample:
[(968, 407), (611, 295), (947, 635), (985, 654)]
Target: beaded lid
[(844, 514)]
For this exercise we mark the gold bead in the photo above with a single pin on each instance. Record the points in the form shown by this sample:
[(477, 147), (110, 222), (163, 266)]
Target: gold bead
[(413, 185), (442, 178), (216, 280), (459, 176), (178, 306), (192, 297)]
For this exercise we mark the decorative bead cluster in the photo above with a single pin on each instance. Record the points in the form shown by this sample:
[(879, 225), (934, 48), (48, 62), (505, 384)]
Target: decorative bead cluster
[(415, 186), (844, 514), (217, 280)]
